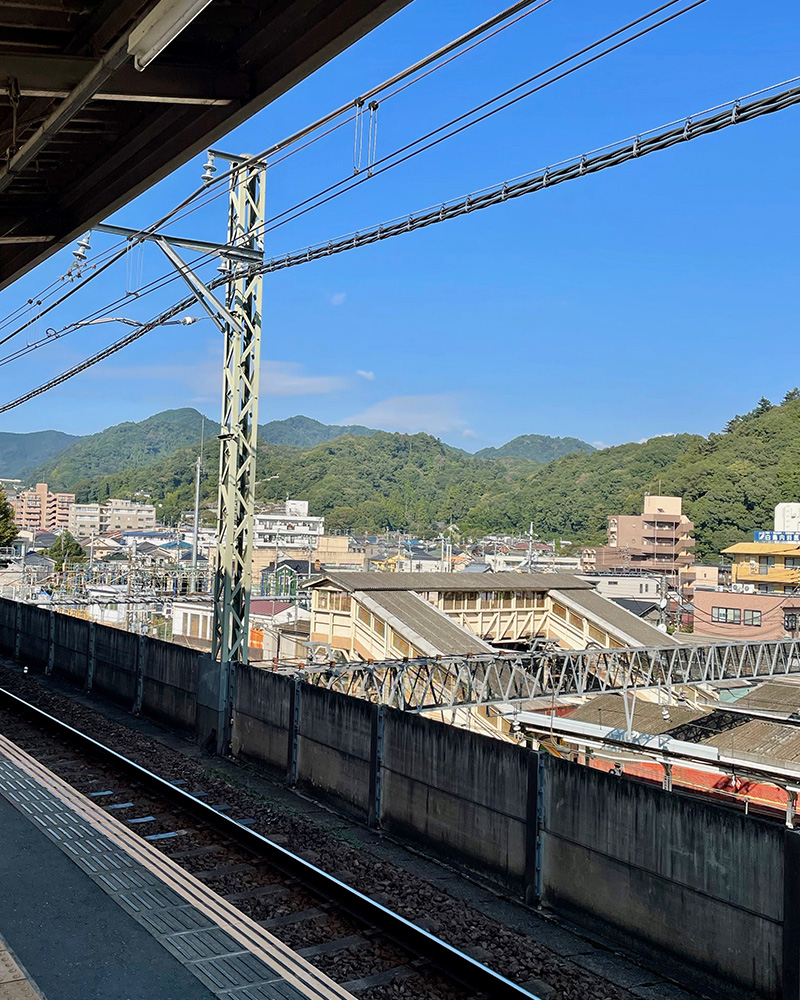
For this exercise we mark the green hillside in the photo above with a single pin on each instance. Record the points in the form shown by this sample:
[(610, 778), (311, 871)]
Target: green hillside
[(537, 448), (125, 446), (730, 481), (22, 453), (304, 432)]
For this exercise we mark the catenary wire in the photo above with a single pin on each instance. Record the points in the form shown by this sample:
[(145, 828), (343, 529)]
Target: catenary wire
[(511, 15), (694, 127), (331, 192)]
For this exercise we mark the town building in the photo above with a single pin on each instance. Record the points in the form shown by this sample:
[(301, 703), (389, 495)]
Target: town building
[(287, 525), (764, 567), (656, 541), (726, 614), (374, 616), (37, 509), (87, 519), (278, 629), (628, 585)]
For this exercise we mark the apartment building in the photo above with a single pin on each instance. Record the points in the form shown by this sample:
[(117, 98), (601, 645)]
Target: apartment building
[(86, 519), (656, 541), (287, 525), (725, 614), (38, 509)]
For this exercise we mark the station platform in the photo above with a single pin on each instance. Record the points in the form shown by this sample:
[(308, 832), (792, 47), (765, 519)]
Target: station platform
[(91, 911)]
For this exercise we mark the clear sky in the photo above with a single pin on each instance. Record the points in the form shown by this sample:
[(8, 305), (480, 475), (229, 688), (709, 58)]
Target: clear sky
[(657, 297)]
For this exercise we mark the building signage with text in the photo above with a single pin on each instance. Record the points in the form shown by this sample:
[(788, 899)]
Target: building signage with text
[(776, 536)]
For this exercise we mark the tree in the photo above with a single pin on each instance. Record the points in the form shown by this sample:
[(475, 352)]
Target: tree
[(65, 550), (8, 527), (792, 395)]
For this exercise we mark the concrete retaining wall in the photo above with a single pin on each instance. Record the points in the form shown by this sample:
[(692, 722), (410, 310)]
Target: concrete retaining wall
[(461, 792), (169, 683), (262, 717), (702, 882)]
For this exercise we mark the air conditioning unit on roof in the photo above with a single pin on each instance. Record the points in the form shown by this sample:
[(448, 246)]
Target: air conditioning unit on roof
[(748, 588)]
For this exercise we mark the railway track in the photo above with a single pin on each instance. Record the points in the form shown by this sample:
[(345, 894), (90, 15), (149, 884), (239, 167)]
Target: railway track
[(363, 945)]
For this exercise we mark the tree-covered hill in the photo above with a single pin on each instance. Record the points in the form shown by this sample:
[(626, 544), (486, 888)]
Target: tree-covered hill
[(126, 446), (22, 453), (537, 448), (305, 432), (730, 481)]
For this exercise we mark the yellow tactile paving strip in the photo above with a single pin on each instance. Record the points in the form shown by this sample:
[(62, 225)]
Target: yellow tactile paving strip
[(14, 984), (294, 969)]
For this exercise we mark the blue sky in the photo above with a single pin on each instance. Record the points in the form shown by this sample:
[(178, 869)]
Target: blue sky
[(658, 297)]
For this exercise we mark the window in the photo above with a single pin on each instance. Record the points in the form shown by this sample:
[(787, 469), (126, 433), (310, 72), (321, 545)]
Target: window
[(765, 564), (752, 617), (559, 611), (790, 622), (400, 645), (792, 562), (729, 616), (363, 615), (379, 627)]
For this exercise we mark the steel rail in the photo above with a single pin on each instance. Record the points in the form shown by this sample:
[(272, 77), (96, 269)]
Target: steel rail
[(419, 942)]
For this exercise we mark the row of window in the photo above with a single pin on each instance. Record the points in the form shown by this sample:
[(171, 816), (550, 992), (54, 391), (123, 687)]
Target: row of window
[(733, 616), (493, 600)]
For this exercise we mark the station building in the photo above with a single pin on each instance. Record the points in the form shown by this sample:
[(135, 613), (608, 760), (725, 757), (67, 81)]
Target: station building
[(376, 616)]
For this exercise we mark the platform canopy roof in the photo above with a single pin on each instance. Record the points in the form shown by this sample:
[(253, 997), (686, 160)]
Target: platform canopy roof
[(82, 131)]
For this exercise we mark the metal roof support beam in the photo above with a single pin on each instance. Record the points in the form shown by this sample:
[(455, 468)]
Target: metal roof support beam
[(66, 111), (57, 76)]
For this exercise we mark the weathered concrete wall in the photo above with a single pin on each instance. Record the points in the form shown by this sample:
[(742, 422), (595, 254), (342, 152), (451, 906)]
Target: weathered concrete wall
[(115, 662), (34, 640), (700, 881), (262, 717), (461, 792), (71, 649), (335, 748), (8, 616), (169, 683)]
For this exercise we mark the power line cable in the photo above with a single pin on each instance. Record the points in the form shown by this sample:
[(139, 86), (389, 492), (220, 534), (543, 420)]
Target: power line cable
[(705, 123), (319, 199), (511, 15)]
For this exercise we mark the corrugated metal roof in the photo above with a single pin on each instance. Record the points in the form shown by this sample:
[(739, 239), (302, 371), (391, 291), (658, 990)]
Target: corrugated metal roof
[(609, 710), (621, 623), (423, 622), (761, 739), (453, 581), (775, 695)]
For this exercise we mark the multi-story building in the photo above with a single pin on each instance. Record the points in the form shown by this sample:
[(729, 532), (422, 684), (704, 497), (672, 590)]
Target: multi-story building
[(40, 510), (726, 614), (286, 526), (656, 541), (765, 567), (86, 519)]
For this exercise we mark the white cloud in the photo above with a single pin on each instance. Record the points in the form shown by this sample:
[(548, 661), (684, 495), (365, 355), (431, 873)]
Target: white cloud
[(369, 376), (434, 414), (599, 444), (339, 299), (203, 378), (650, 437), (468, 432)]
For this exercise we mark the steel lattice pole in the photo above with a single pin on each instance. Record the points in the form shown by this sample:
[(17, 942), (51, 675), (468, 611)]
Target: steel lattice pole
[(238, 439)]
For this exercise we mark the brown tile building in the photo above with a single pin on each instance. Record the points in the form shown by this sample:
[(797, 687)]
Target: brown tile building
[(40, 510), (656, 541)]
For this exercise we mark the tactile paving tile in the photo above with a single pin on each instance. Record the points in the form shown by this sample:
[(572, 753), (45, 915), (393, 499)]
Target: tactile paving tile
[(14, 982), (199, 944)]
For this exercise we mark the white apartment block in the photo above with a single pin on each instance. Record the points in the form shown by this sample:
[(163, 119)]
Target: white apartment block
[(87, 519), (288, 525)]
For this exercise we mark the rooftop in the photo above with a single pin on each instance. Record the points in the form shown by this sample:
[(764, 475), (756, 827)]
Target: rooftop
[(441, 582)]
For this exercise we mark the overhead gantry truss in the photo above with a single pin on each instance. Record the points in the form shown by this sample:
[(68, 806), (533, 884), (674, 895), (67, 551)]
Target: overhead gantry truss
[(470, 681)]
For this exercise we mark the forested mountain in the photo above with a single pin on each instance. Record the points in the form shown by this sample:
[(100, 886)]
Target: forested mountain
[(537, 448), (21, 453), (125, 446), (304, 432)]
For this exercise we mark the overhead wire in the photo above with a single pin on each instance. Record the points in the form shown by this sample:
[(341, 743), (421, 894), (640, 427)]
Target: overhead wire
[(336, 190), (643, 144), (205, 194)]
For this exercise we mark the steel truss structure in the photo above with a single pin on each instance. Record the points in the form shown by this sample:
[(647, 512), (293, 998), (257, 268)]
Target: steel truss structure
[(462, 682)]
